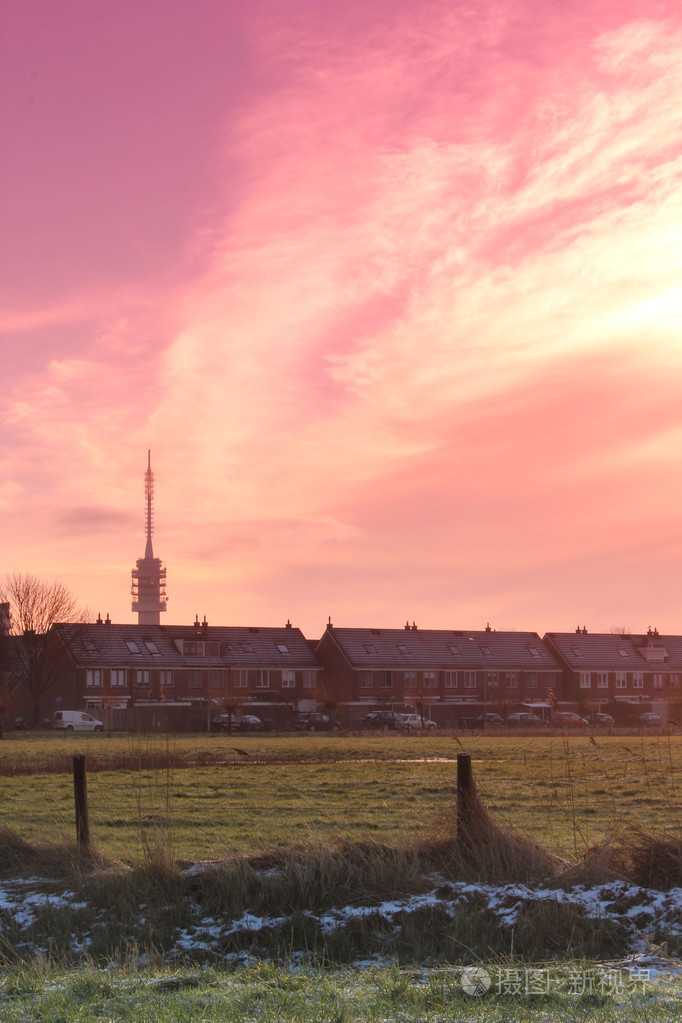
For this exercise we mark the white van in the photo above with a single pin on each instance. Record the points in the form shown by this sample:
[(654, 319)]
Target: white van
[(76, 721)]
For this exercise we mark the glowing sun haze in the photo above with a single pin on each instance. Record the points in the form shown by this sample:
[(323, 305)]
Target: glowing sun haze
[(392, 290)]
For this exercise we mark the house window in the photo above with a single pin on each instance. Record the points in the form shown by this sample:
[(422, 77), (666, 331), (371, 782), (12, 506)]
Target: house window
[(658, 680), (602, 680), (387, 680), (142, 678), (450, 679), (534, 652), (638, 680), (240, 678), (283, 648), (370, 648), (511, 679), (469, 678), (247, 648), (93, 677), (410, 679), (621, 680), (531, 680), (577, 652), (152, 648), (492, 679), (585, 680), (403, 649), (454, 650), (675, 681), (132, 646), (194, 678), (118, 676), (486, 651), (288, 678), (430, 680), (192, 649), (365, 679), (166, 678), (309, 678), (260, 677), (216, 678)]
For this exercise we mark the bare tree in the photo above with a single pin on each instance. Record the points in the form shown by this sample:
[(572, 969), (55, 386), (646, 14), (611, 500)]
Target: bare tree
[(36, 605)]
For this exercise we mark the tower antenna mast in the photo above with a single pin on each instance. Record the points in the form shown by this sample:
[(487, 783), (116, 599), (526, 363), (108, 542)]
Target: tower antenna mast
[(149, 500)]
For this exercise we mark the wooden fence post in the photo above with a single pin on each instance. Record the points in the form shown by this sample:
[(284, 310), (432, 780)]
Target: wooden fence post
[(80, 791), (466, 791)]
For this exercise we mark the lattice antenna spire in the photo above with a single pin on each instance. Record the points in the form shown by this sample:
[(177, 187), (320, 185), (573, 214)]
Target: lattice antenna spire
[(149, 501)]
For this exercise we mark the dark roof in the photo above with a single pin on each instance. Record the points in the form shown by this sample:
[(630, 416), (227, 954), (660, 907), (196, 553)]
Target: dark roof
[(107, 644), (442, 648), (586, 650), (11, 660)]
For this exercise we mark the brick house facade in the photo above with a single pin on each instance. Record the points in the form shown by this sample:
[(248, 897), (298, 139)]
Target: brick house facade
[(623, 674), (179, 677), (453, 675)]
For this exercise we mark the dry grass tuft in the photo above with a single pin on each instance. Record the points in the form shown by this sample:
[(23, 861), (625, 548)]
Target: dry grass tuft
[(600, 865), (653, 861), (481, 850), (51, 859)]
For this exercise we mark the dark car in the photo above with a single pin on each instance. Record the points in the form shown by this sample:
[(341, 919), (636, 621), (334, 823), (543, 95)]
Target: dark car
[(382, 719), (486, 720), (524, 719), (650, 720), (315, 721), (601, 720), (243, 723), (250, 723)]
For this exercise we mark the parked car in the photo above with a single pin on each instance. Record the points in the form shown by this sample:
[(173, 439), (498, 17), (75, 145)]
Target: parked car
[(601, 720), (650, 720), (315, 721), (524, 719), (486, 720), (249, 722), (76, 721), (222, 722), (568, 719), (381, 719), (415, 723)]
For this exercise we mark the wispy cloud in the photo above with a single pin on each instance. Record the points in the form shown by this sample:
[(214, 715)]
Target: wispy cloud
[(434, 295)]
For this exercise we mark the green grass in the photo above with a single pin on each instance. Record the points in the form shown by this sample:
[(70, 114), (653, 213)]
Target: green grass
[(280, 994), (567, 794)]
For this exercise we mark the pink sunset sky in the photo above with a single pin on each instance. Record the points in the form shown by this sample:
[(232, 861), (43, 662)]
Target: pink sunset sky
[(392, 290)]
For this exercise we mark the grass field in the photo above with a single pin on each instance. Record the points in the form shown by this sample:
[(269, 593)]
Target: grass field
[(133, 933), (270, 993), (566, 793)]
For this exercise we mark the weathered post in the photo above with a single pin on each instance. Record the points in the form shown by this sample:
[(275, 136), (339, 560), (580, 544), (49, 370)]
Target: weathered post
[(465, 798), (80, 791)]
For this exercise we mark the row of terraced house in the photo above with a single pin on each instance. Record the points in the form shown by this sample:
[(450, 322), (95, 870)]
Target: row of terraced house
[(179, 677)]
